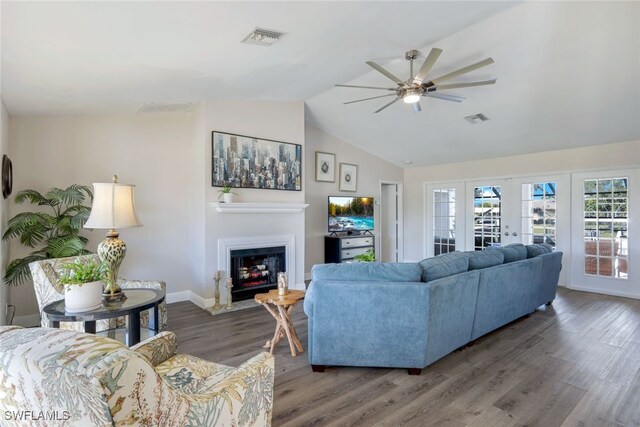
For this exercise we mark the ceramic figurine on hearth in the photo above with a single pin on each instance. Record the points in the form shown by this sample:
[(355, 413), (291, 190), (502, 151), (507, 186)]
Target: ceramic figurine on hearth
[(216, 291), (283, 283), (229, 287)]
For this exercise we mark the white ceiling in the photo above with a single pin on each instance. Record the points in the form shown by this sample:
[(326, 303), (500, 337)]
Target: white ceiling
[(568, 76), (568, 72), (88, 57)]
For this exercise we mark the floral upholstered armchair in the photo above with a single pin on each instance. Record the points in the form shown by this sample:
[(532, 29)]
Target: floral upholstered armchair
[(63, 377), (46, 281)]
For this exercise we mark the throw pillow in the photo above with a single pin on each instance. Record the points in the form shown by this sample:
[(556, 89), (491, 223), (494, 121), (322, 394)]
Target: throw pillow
[(484, 259), (443, 266), (538, 249), (513, 252)]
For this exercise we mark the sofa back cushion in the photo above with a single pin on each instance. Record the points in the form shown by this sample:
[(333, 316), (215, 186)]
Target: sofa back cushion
[(444, 265), (513, 252), (484, 259), (538, 249), (368, 271)]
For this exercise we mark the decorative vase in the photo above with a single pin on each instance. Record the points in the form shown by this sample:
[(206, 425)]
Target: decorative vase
[(227, 197), (283, 283), (83, 297)]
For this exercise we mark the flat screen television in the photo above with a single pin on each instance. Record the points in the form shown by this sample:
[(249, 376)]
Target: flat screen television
[(350, 214)]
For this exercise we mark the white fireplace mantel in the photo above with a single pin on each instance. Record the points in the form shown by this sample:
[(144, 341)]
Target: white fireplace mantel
[(260, 207)]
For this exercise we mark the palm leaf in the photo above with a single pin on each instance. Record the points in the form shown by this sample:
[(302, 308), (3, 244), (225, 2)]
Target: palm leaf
[(79, 219), (30, 227), (60, 247), (73, 195), (18, 269), (32, 196)]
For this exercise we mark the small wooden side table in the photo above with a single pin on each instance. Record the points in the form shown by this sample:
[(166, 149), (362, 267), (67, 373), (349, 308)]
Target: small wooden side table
[(281, 307)]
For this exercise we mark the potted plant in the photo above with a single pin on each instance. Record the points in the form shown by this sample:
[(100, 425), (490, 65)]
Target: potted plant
[(226, 194), (368, 256), (53, 232), (83, 282)]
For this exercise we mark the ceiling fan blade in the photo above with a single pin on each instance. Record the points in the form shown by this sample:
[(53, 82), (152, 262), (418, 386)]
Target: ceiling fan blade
[(470, 84), (368, 87), (446, 97), (427, 65), (381, 70), (366, 99), (416, 107), (462, 71), (386, 105)]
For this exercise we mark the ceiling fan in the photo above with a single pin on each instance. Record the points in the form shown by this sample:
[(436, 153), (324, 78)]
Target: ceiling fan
[(418, 86)]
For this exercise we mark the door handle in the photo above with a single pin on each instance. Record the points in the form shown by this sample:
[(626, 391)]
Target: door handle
[(506, 233), (514, 234)]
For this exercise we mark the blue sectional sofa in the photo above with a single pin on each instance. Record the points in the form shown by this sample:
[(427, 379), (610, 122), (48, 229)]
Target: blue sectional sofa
[(408, 315)]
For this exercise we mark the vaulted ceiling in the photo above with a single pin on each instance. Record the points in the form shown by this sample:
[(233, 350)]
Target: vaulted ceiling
[(568, 72)]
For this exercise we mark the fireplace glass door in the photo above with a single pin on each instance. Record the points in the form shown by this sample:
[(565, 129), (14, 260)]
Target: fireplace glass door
[(256, 270)]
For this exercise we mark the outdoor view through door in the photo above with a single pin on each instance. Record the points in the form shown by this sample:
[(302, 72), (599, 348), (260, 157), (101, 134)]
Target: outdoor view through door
[(487, 206), (606, 248), (539, 213), (444, 220)]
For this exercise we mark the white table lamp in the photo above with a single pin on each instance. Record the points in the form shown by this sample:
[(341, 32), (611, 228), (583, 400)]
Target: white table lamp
[(113, 208)]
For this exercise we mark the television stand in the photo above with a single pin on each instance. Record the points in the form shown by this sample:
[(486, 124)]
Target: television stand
[(341, 248)]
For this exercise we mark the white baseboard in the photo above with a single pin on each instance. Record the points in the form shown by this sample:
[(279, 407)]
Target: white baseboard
[(28, 321), (595, 291), (307, 276), (177, 296)]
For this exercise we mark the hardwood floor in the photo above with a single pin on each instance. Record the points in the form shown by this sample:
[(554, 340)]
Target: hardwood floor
[(576, 363)]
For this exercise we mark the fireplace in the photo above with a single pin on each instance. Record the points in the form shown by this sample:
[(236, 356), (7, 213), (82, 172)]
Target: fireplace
[(255, 270)]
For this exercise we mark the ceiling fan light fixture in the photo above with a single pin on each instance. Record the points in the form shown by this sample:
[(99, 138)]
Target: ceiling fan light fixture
[(412, 96)]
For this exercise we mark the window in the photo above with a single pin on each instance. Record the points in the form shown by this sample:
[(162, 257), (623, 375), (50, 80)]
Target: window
[(487, 207), (606, 248), (539, 213), (444, 220)]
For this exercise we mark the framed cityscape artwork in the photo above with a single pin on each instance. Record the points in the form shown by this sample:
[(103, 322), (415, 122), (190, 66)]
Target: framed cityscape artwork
[(247, 162), (325, 167)]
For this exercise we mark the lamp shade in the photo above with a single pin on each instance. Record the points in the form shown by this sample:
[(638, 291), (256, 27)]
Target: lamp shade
[(113, 207)]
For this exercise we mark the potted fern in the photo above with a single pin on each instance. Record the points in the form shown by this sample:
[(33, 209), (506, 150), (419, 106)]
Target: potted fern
[(53, 232), (83, 282), (368, 256)]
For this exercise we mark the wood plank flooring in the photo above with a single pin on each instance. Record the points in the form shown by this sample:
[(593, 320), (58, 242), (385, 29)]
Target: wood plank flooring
[(576, 363)]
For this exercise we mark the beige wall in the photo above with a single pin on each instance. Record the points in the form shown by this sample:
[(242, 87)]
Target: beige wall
[(279, 121), (4, 214), (152, 151), (595, 157), (371, 170)]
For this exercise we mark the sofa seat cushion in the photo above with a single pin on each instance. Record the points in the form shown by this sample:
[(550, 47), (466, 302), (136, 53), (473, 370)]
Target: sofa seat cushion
[(191, 374), (368, 271), (444, 265), (538, 249), (484, 259), (513, 252)]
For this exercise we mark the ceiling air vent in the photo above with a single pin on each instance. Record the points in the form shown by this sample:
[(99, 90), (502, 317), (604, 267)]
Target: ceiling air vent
[(160, 107), (262, 37), (474, 119)]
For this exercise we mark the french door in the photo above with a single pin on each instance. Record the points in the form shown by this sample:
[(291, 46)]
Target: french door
[(474, 215), (605, 244)]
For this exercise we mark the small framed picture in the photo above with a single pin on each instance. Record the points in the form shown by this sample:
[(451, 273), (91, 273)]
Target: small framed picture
[(348, 177), (325, 167)]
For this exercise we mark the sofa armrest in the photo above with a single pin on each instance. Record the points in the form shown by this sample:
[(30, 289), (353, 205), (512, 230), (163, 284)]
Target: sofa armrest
[(158, 348), (245, 395), (380, 324), (149, 284)]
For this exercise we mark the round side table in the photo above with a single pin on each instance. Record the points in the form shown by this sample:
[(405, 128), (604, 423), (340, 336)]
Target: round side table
[(138, 300), (281, 307)]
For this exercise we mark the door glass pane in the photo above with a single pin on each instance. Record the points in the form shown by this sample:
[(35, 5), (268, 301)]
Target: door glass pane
[(539, 213), (605, 226), (444, 220), (487, 207)]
